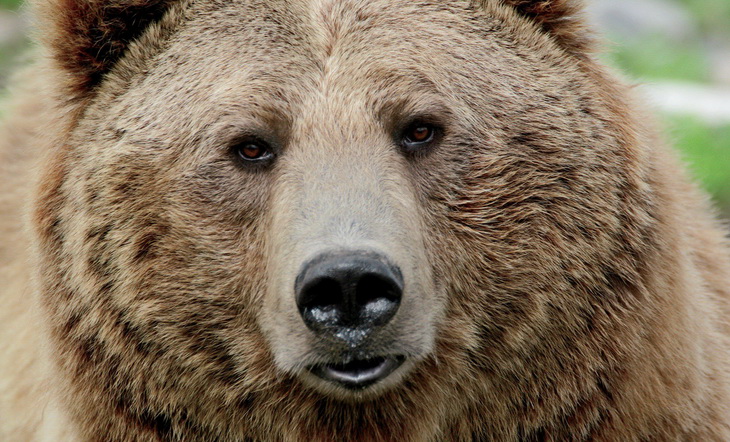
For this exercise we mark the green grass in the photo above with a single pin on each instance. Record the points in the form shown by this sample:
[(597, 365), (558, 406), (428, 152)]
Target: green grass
[(707, 151), (9, 51), (10, 57), (705, 148), (712, 15), (657, 58), (10, 4)]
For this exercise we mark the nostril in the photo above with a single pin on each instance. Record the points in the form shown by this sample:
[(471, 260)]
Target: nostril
[(321, 293), (319, 302), (379, 296), (374, 286)]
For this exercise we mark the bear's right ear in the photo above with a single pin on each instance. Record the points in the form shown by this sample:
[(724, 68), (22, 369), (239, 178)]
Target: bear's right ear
[(562, 19), (87, 37)]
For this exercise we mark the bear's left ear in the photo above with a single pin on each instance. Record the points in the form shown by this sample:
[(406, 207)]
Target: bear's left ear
[(562, 19), (87, 37)]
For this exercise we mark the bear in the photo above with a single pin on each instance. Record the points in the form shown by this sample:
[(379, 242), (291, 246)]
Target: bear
[(356, 220)]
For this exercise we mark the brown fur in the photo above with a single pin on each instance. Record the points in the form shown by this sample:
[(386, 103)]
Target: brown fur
[(88, 37), (565, 281), (561, 19)]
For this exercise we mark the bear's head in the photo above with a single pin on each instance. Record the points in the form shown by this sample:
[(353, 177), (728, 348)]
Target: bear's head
[(282, 211)]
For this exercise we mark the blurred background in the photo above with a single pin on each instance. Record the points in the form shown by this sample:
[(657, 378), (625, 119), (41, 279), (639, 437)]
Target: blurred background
[(678, 51)]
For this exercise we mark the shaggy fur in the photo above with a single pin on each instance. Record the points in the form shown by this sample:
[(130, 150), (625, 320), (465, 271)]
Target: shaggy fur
[(88, 37), (563, 279), (559, 18)]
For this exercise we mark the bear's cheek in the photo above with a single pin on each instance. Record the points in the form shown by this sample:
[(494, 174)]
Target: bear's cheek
[(197, 242), (496, 209)]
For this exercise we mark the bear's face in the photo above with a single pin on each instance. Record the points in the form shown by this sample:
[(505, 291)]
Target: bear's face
[(333, 194)]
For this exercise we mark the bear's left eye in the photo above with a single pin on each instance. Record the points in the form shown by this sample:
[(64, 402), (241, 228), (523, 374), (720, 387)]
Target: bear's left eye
[(418, 135), (253, 151)]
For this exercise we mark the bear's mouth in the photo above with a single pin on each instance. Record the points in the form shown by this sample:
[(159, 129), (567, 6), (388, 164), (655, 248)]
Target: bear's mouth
[(359, 373)]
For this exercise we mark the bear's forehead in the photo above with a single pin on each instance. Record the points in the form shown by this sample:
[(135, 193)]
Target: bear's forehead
[(278, 54), (340, 39), (278, 63)]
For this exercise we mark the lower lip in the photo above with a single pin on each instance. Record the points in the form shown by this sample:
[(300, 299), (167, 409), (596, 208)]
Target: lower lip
[(360, 374)]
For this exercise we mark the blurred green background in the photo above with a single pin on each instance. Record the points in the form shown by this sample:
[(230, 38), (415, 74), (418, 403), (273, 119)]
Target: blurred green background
[(12, 39), (679, 50)]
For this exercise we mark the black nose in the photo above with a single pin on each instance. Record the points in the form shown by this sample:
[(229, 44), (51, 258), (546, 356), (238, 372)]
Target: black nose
[(352, 290)]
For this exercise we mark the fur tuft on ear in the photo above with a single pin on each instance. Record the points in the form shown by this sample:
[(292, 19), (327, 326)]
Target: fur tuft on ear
[(560, 18), (87, 37)]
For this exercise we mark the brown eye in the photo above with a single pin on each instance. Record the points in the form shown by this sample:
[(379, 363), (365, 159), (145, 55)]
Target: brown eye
[(254, 151), (418, 136)]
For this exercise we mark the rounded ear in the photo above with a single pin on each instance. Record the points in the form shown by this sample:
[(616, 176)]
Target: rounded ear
[(87, 37), (563, 19)]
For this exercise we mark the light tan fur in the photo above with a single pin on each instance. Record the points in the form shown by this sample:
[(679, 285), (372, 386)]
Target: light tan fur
[(564, 280)]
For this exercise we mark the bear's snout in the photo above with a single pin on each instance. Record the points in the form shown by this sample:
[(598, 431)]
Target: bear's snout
[(345, 297), (351, 302), (348, 294)]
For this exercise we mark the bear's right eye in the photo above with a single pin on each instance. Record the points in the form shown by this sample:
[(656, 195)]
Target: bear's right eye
[(419, 134), (253, 151), (419, 137)]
